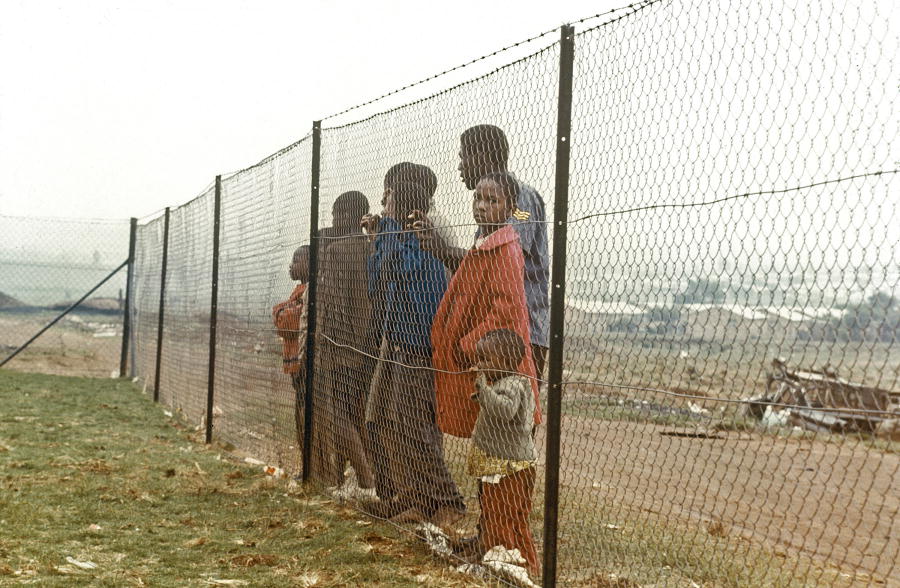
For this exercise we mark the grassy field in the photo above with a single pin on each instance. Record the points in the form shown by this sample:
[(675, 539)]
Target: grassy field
[(100, 488)]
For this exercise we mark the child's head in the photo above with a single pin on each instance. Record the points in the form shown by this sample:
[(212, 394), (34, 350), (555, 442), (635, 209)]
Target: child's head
[(494, 201), (299, 268), (404, 197), (348, 210), (499, 353)]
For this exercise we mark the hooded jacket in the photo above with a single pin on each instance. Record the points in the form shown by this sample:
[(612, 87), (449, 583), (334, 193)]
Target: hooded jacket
[(487, 292)]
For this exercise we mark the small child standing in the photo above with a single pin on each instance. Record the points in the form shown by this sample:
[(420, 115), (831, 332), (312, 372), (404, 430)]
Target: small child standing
[(502, 453), (290, 321)]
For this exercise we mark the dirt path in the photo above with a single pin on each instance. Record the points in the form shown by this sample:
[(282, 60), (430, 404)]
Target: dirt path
[(837, 503)]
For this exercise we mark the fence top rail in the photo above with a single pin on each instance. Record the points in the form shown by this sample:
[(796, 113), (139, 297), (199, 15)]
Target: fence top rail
[(631, 8)]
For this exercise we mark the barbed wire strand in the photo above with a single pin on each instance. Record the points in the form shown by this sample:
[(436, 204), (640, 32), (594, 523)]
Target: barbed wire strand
[(637, 6)]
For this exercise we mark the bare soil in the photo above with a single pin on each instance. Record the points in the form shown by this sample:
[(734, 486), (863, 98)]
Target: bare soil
[(81, 344), (834, 502)]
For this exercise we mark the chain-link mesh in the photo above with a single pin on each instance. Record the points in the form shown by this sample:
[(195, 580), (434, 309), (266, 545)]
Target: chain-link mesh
[(185, 351), (387, 290), (46, 265), (146, 287), (264, 220), (731, 369), (728, 208)]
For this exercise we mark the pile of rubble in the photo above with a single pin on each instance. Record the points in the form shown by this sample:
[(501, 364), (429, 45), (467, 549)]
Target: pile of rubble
[(821, 401)]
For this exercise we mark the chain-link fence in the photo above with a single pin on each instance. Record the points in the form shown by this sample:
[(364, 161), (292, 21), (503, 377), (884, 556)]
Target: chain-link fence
[(46, 266), (719, 252)]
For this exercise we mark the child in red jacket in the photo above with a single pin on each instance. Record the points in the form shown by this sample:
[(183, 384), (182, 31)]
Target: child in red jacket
[(487, 294)]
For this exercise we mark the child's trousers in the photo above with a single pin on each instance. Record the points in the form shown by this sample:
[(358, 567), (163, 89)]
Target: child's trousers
[(505, 508)]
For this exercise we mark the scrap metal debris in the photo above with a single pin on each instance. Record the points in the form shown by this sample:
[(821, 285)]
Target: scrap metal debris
[(821, 401)]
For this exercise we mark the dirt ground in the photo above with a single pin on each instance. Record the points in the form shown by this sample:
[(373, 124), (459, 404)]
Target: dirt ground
[(836, 502), (81, 344)]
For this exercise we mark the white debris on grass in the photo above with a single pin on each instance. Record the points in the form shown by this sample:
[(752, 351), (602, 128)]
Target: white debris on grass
[(471, 569), (221, 582), (498, 561), (274, 471), (84, 565), (436, 539), (697, 409), (350, 490)]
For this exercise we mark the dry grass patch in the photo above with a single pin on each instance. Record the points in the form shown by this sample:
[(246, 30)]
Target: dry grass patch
[(128, 498)]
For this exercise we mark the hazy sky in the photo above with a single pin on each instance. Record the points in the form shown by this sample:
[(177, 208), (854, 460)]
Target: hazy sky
[(115, 109)]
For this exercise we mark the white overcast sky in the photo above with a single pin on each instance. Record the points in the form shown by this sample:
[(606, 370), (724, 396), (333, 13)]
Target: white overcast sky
[(118, 109)]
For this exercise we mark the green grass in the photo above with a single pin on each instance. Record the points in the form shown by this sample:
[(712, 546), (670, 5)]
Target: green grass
[(92, 470)]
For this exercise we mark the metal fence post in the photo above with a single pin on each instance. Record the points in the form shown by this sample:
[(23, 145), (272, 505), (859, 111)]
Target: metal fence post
[(126, 321), (311, 298), (213, 312), (162, 305), (557, 303)]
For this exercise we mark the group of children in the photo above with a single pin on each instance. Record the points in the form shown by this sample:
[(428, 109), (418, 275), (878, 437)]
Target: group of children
[(454, 357)]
